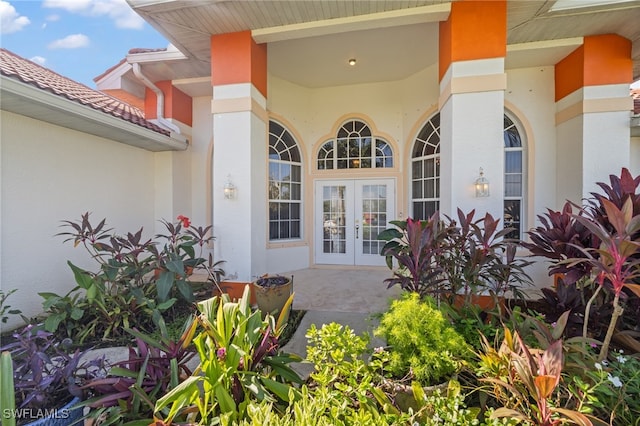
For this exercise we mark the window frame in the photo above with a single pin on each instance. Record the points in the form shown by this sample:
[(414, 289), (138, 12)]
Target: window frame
[(425, 137), (345, 150), (286, 142), (522, 149)]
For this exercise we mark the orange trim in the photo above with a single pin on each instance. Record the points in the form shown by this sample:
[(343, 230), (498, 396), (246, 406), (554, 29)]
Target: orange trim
[(179, 107), (469, 22), (150, 111), (607, 60), (602, 59), (569, 73), (237, 58), (177, 104), (444, 53)]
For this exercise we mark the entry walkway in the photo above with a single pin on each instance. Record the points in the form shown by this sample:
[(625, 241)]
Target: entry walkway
[(347, 296), (342, 290)]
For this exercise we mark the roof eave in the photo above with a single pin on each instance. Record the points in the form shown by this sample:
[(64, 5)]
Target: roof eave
[(39, 104)]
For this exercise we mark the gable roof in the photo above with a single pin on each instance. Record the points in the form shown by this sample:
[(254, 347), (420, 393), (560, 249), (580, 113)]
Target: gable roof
[(28, 72)]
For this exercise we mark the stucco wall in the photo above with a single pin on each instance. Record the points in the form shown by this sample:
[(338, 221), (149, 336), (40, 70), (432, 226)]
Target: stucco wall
[(200, 153), (399, 109), (50, 174)]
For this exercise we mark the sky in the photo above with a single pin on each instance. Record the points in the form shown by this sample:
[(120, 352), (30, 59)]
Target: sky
[(79, 39)]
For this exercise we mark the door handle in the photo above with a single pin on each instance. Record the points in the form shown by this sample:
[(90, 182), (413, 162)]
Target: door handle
[(357, 228)]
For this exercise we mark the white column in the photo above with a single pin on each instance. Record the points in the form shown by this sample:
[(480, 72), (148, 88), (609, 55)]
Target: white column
[(471, 120), (593, 139), (240, 153)]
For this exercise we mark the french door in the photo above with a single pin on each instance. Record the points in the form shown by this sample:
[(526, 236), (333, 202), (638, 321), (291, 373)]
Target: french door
[(349, 215)]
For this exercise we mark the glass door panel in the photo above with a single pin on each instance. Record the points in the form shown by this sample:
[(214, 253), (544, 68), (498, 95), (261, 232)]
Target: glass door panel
[(334, 222), (374, 205)]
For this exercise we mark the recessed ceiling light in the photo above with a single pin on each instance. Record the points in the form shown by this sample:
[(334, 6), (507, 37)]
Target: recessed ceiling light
[(352, 62)]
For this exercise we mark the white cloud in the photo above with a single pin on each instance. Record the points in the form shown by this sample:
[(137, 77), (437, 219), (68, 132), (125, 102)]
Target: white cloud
[(10, 19), (117, 10), (68, 5), (50, 18), (38, 60), (72, 41)]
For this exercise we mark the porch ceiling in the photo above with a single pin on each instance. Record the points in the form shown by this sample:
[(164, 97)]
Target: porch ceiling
[(310, 41)]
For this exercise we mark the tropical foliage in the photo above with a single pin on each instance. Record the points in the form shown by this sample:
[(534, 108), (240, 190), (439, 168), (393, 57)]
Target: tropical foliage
[(445, 258), (571, 357)]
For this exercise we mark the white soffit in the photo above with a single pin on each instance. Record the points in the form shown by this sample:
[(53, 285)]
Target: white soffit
[(393, 18), (322, 61), (540, 53), (194, 87)]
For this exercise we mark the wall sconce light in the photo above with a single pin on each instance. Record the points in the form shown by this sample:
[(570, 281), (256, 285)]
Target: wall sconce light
[(352, 61), (482, 185), (229, 189)]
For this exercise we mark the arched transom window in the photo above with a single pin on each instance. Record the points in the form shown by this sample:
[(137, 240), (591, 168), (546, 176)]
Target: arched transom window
[(425, 170), (355, 148), (285, 185)]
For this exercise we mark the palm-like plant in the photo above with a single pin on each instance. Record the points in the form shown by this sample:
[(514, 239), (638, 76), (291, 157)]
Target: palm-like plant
[(437, 257), (240, 361), (415, 245), (560, 237), (525, 379), (615, 262)]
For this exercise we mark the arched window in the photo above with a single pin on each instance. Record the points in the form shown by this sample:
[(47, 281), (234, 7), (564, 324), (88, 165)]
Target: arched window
[(514, 178), (425, 170), (285, 185), (355, 148)]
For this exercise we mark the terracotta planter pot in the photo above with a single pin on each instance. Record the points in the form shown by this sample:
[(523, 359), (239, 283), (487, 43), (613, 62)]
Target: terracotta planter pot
[(272, 293), (486, 302), (234, 289)]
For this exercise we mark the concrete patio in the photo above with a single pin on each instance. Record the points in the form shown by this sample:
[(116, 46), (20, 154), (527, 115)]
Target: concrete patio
[(327, 289), (350, 297)]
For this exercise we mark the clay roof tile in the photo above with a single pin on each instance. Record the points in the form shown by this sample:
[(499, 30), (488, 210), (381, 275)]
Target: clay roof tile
[(19, 68)]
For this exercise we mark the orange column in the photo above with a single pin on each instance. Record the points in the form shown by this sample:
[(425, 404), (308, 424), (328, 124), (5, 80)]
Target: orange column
[(237, 58), (472, 47), (592, 114), (602, 59), (474, 30)]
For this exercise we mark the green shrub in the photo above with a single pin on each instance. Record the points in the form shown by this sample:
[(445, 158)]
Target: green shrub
[(613, 384), (422, 343), (136, 280), (342, 382)]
